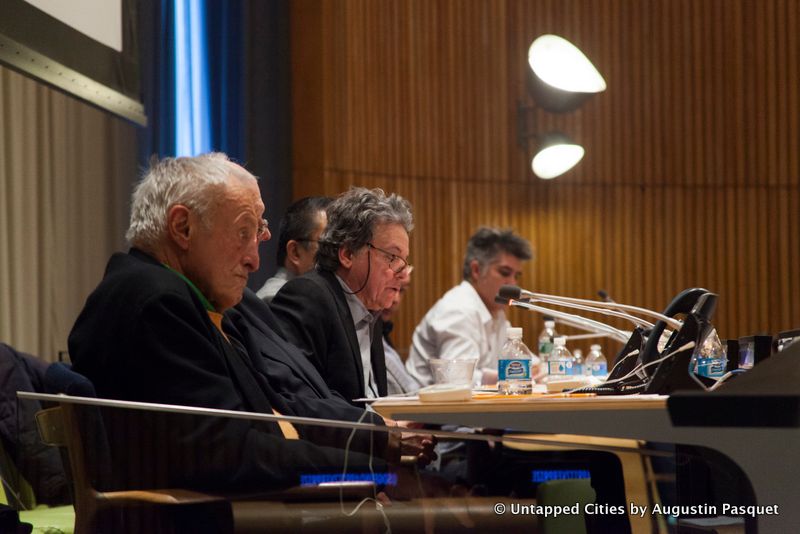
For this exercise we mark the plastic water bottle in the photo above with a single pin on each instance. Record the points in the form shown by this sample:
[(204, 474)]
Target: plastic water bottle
[(596, 364), (546, 339), (712, 359), (561, 362), (514, 365), (577, 356)]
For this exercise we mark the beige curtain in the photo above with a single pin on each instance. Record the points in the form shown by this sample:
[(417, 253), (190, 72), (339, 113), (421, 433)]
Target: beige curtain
[(66, 171)]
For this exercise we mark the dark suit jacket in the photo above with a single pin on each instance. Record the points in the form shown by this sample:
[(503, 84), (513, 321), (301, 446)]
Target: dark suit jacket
[(315, 317), (144, 335), (303, 392)]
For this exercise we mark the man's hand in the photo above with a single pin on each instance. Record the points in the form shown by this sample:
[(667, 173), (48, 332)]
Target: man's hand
[(411, 445), (418, 446)]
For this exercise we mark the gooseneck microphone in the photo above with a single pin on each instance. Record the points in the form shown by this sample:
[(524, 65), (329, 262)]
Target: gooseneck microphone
[(557, 301), (569, 319), (510, 291)]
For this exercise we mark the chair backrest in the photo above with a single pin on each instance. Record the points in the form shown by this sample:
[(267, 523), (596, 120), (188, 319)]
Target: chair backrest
[(57, 428), (80, 429), (86, 421)]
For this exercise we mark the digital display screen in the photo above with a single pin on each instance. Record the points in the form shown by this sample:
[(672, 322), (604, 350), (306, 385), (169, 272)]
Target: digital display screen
[(381, 479), (543, 475)]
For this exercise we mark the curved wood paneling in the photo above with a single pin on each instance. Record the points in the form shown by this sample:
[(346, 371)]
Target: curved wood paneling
[(691, 169)]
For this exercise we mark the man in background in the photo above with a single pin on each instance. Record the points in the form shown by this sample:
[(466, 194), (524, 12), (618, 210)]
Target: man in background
[(398, 381), (298, 238), (467, 322)]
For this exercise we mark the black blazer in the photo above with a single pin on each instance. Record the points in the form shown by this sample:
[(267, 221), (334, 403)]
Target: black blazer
[(144, 335), (302, 391), (315, 317)]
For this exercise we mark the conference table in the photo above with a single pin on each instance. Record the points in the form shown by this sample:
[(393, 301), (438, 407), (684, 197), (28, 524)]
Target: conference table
[(765, 455)]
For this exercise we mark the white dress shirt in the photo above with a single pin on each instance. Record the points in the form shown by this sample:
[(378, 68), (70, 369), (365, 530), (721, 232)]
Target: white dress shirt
[(274, 284), (398, 381), (458, 326)]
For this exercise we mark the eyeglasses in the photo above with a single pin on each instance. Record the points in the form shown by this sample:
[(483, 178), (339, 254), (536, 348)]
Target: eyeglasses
[(396, 263), (263, 228), (246, 235)]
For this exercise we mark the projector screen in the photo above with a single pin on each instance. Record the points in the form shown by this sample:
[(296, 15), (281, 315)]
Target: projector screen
[(87, 48)]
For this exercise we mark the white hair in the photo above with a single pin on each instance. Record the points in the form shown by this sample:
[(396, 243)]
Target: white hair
[(191, 181)]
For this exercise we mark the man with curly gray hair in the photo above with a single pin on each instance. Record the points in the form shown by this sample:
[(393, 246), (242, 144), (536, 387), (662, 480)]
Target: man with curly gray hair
[(332, 313)]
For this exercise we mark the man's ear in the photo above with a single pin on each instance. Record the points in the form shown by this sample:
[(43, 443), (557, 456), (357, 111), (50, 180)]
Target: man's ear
[(345, 257), (179, 226), (475, 270), (292, 255)]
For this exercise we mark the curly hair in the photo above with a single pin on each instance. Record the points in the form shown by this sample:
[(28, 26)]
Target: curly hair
[(352, 218)]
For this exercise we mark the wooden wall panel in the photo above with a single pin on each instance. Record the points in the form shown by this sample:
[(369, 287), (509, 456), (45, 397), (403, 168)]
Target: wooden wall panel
[(691, 170)]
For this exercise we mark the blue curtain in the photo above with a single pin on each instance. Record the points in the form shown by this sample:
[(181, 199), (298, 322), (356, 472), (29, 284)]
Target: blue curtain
[(193, 78), (248, 77)]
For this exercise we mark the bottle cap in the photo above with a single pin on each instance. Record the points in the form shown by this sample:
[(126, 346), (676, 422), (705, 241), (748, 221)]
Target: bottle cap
[(550, 323), (595, 347), (514, 332), (560, 341)]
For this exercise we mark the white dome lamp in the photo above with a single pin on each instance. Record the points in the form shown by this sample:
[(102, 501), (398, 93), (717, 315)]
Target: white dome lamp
[(562, 76), (556, 155)]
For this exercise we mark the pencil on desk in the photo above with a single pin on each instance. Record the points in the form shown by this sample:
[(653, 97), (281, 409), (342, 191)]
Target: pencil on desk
[(491, 396)]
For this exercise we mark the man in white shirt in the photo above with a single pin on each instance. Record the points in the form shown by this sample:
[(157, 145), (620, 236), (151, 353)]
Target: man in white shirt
[(467, 322), (298, 239)]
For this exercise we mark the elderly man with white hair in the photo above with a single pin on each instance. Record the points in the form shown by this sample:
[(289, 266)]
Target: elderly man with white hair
[(152, 332)]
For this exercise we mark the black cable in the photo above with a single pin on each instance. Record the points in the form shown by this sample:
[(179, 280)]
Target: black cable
[(369, 268)]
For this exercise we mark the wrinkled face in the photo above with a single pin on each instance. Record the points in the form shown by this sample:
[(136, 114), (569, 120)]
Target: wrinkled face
[(307, 250), (373, 266), (503, 269), (223, 250)]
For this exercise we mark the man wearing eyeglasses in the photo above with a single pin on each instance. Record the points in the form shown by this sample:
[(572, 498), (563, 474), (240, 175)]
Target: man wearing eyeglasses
[(333, 312), (152, 332), (298, 237), (467, 322)]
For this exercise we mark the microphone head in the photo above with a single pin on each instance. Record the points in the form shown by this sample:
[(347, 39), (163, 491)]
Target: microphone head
[(510, 292), (603, 294), (500, 300)]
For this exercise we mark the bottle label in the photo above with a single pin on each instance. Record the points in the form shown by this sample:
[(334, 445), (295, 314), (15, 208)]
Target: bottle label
[(599, 369), (513, 369), (559, 367), (545, 347), (711, 367)]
